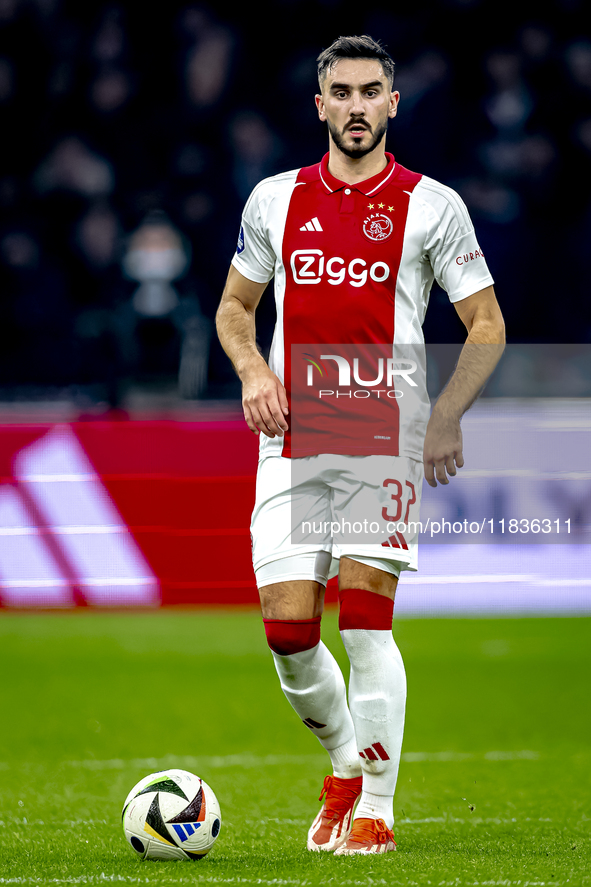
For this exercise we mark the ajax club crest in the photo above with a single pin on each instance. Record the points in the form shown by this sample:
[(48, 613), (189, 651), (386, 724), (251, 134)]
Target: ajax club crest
[(377, 227)]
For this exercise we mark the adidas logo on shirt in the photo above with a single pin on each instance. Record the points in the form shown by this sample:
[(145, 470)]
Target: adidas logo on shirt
[(313, 225)]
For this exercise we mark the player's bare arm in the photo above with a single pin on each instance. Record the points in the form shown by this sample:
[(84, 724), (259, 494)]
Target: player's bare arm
[(263, 396), (481, 315)]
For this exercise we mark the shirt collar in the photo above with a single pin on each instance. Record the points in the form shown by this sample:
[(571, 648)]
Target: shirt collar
[(369, 187)]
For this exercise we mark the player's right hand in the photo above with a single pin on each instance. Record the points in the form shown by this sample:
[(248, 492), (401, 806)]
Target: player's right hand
[(264, 401)]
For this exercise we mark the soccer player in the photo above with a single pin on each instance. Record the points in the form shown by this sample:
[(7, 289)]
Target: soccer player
[(354, 244)]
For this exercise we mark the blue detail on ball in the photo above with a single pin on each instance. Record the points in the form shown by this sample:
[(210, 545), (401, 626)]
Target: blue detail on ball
[(137, 844), (215, 829), (180, 832), (186, 830)]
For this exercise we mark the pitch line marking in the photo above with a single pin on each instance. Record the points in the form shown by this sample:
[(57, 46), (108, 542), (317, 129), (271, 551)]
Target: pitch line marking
[(253, 761), (212, 879)]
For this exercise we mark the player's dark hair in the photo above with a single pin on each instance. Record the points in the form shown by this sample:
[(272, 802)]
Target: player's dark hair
[(364, 47)]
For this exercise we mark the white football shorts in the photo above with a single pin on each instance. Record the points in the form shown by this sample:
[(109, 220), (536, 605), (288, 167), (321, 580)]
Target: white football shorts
[(316, 509)]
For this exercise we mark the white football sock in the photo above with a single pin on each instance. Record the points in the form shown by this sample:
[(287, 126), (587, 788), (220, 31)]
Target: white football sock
[(377, 699), (315, 688)]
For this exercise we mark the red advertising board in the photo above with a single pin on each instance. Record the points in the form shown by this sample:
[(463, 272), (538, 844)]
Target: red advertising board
[(126, 514)]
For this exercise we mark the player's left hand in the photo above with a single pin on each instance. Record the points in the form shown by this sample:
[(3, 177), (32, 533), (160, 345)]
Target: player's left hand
[(442, 452)]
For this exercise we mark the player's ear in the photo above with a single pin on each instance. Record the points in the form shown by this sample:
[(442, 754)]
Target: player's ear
[(394, 99), (320, 106)]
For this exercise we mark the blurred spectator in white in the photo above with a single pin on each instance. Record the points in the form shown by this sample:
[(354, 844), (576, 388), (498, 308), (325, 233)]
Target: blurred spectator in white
[(72, 166), (208, 61), (255, 147), (157, 254)]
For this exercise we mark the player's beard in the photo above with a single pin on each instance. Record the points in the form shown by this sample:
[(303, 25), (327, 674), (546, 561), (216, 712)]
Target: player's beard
[(356, 152)]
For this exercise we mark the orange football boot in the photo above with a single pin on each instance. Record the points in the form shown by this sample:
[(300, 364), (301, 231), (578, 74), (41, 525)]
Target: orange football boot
[(367, 836), (333, 824)]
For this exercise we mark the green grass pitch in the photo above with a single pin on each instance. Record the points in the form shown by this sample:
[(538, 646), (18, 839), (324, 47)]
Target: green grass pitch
[(494, 785)]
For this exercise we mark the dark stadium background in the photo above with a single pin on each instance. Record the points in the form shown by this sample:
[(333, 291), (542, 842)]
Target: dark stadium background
[(114, 113)]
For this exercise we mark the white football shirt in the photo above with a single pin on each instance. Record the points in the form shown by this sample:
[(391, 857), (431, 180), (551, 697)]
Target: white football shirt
[(353, 268)]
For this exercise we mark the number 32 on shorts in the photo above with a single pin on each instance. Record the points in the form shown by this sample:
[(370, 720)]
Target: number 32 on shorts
[(396, 491)]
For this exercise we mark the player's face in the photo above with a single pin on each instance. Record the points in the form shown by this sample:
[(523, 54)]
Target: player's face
[(356, 103)]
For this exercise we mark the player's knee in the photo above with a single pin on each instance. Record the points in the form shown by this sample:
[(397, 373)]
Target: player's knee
[(361, 609), (286, 637)]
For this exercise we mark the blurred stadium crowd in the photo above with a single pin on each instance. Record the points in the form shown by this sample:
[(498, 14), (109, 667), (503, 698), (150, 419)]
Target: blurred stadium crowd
[(132, 135)]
